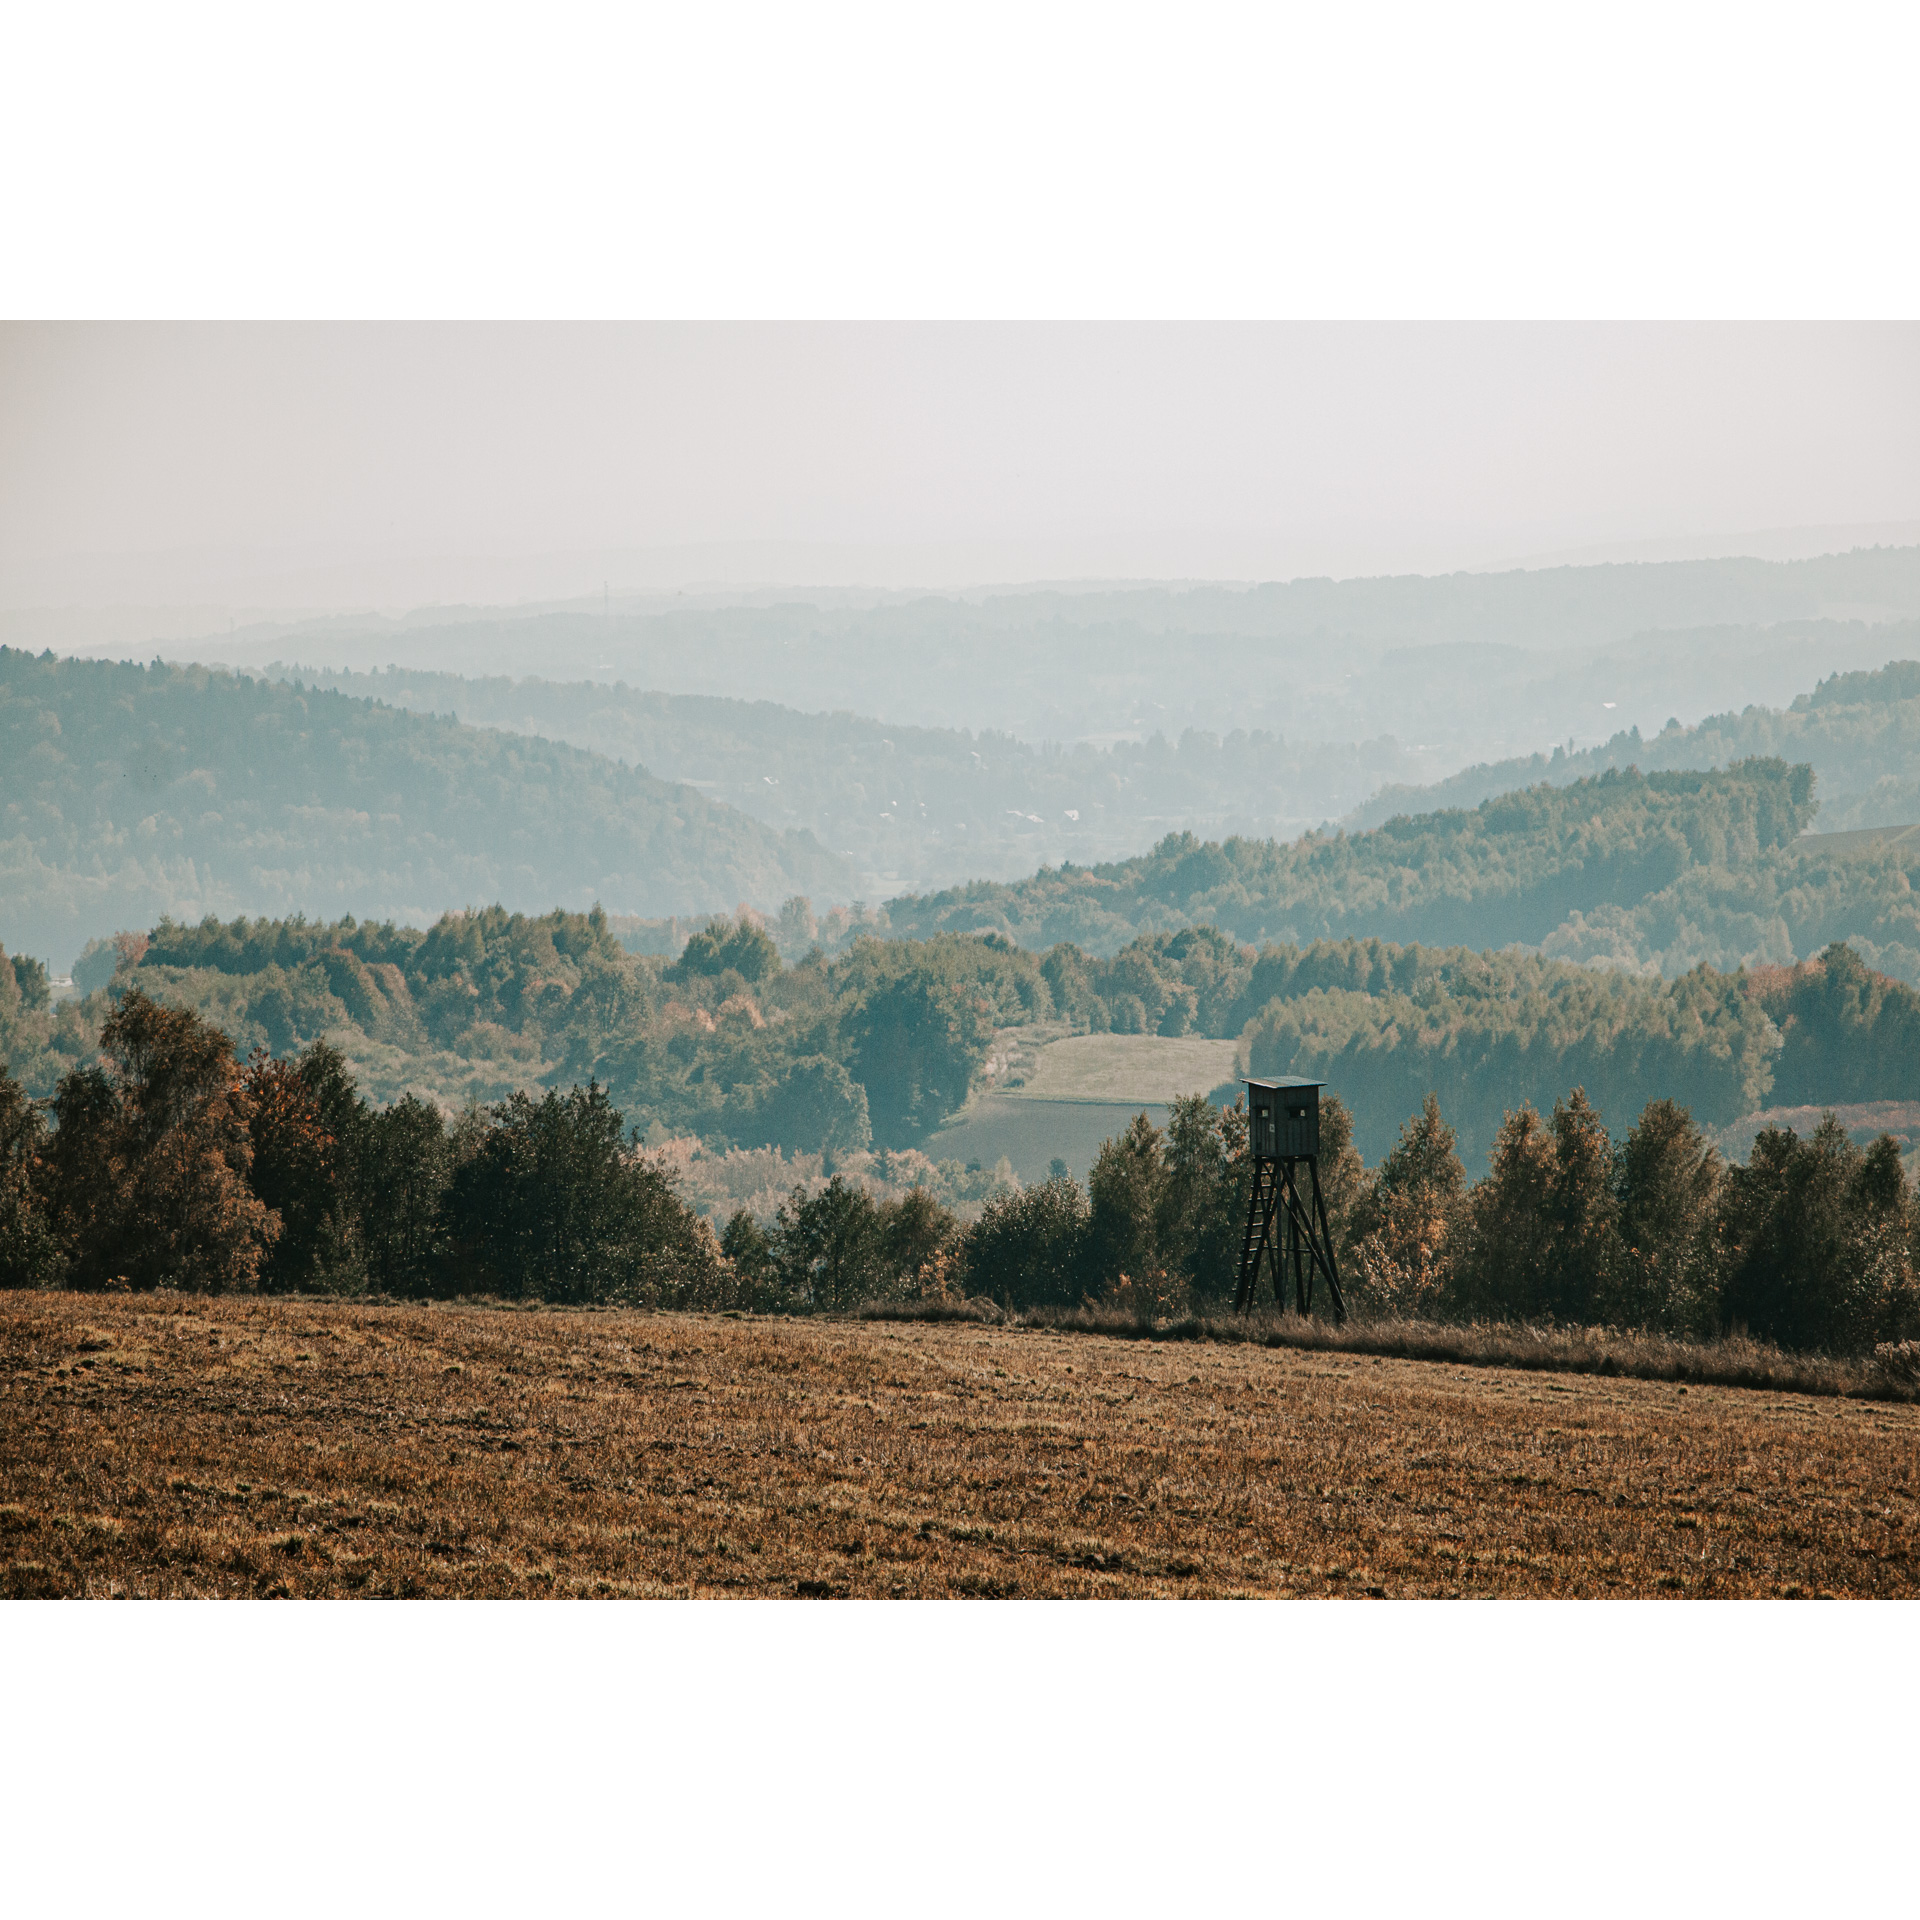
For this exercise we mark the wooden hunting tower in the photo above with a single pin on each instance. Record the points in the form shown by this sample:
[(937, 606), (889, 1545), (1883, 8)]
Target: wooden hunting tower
[(1283, 1136)]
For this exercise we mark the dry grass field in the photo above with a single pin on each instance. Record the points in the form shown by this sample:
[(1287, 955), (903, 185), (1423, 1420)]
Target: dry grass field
[(191, 1446)]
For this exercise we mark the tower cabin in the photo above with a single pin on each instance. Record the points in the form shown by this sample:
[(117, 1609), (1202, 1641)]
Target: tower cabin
[(1283, 1118)]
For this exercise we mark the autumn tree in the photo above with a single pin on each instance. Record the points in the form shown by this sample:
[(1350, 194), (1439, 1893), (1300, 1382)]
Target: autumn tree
[(308, 1125), (1401, 1224), (151, 1155)]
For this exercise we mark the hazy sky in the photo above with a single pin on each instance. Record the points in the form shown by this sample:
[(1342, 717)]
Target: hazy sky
[(351, 465)]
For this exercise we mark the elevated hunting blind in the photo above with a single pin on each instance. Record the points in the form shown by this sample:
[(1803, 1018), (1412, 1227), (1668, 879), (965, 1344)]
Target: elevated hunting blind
[(1283, 1136)]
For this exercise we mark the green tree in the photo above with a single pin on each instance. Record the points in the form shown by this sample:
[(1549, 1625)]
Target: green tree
[(816, 1106), (728, 946), (914, 1044), (307, 1124), (1029, 1247), (1668, 1178), (828, 1248), (29, 1255), (406, 1162), (1401, 1226), (552, 1205), (745, 1243), (1127, 1192), (1542, 1239), (1203, 1198), (1818, 1241), (919, 1240)]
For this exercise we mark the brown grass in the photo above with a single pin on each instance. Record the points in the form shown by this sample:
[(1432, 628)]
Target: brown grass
[(1891, 1373), (190, 1446)]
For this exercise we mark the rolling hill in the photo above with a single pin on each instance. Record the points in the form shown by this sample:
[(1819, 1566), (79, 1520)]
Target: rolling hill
[(130, 793), (1860, 732)]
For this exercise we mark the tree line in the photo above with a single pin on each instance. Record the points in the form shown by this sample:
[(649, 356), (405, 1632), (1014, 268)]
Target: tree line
[(170, 1164), (880, 1044)]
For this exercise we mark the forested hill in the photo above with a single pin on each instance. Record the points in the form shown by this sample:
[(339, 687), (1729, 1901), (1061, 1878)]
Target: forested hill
[(1860, 732), (128, 793), (916, 807), (1512, 869)]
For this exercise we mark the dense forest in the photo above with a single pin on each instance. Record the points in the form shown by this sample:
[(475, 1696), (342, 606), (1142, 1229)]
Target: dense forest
[(1860, 733), (876, 1046), (129, 792), (921, 806), (1516, 868), (168, 1165), (1655, 873)]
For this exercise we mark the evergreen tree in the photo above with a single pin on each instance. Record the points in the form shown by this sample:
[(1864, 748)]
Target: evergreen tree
[(1668, 1179)]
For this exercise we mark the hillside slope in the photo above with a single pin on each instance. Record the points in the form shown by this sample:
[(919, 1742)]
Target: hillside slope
[(130, 793), (1860, 732), (1513, 869), (912, 806)]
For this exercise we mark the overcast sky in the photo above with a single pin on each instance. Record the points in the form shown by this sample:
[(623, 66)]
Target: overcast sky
[(391, 464)]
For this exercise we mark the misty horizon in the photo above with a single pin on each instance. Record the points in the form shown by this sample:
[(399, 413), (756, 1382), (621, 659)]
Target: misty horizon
[(287, 470)]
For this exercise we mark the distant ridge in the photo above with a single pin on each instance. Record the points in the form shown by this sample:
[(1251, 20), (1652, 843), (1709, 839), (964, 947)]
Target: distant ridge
[(1860, 732), (128, 793)]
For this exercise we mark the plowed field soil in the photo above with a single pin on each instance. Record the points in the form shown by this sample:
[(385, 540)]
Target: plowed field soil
[(174, 1446)]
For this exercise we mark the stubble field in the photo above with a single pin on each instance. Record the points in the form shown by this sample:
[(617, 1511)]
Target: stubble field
[(179, 1446)]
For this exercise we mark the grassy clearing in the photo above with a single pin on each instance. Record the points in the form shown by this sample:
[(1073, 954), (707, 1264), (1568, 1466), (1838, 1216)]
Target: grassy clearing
[(1140, 1068), (194, 1446)]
